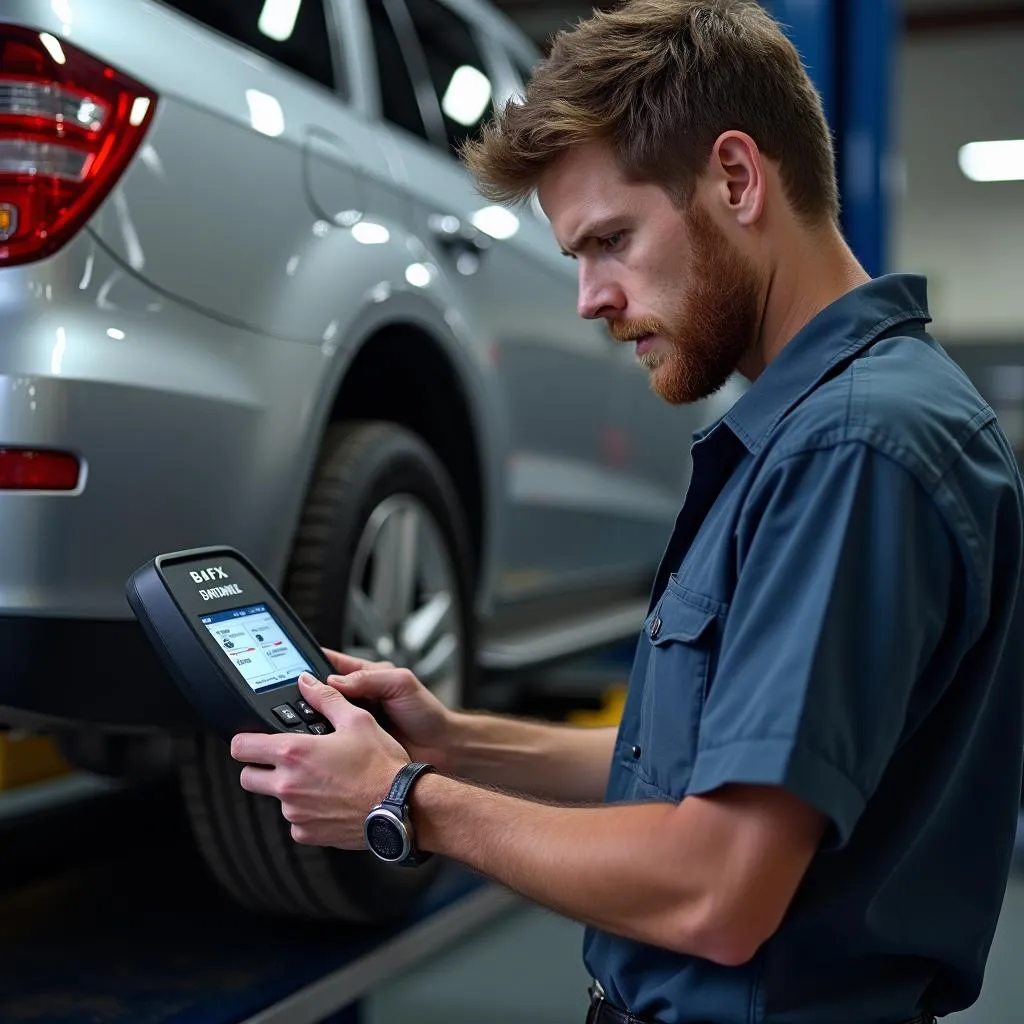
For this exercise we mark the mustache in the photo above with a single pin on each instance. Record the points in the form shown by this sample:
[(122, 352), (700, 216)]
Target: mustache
[(631, 330)]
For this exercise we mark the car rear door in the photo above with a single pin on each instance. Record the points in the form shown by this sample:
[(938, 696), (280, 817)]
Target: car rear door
[(556, 370), (645, 440)]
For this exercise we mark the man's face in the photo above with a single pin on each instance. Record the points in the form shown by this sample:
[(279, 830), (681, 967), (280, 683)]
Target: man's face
[(668, 280)]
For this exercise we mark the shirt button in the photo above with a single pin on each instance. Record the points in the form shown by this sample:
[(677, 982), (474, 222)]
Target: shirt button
[(636, 753), (655, 628)]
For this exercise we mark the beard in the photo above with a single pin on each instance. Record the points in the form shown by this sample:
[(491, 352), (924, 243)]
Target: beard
[(716, 324)]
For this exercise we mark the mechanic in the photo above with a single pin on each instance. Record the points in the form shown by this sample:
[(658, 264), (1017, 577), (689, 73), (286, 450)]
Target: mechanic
[(808, 811)]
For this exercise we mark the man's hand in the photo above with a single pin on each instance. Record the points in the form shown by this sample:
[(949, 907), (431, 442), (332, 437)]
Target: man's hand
[(326, 784), (553, 762), (415, 717)]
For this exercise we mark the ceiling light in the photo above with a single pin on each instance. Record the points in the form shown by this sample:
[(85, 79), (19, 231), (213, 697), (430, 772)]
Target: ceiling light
[(993, 161)]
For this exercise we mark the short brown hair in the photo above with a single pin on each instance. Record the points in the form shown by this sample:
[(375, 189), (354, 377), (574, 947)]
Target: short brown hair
[(660, 80)]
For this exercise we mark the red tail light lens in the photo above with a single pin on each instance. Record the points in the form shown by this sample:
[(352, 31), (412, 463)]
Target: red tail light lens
[(24, 470), (69, 124)]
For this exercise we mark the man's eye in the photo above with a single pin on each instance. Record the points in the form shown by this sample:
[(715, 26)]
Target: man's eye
[(610, 242)]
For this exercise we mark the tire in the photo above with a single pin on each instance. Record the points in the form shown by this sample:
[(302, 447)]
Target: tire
[(371, 480)]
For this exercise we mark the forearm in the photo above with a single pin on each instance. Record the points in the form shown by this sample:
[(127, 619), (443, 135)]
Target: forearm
[(545, 760), (615, 868)]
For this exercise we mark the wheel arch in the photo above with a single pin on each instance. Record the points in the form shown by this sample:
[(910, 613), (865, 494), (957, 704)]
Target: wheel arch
[(402, 374)]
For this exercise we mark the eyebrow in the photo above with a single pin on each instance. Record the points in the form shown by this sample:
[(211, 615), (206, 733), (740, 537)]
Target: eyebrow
[(592, 230)]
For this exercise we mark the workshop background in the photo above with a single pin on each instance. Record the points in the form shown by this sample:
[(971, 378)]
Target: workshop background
[(107, 911)]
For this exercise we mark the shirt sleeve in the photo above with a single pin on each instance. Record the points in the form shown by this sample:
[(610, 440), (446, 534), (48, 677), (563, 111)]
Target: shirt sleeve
[(845, 574)]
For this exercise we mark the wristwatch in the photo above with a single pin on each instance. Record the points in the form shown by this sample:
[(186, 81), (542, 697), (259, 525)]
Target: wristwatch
[(388, 827)]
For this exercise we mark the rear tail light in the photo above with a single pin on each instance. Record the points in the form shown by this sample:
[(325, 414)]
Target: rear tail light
[(69, 125), (23, 469)]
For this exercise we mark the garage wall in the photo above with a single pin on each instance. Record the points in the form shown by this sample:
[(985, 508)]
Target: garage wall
[(954, 88)]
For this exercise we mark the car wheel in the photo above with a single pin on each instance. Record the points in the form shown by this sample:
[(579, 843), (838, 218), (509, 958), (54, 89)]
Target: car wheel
[(380, 568)]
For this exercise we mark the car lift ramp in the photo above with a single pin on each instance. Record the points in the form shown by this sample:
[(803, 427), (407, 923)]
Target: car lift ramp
[(108, 914)]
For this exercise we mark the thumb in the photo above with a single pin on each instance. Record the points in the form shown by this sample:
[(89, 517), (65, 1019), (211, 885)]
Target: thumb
[(323, 698)]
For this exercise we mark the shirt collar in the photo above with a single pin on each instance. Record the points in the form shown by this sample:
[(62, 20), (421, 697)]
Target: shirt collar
[(838, 332)]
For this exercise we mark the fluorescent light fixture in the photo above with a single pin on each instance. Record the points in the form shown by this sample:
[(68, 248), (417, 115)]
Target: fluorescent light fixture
[(265, 113), (467, 95), (53, 47), (496, 221), (277, 19), (368, 233), (993, 161)]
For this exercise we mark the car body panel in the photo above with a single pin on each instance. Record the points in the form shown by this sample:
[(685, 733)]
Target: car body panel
[(190, 343)]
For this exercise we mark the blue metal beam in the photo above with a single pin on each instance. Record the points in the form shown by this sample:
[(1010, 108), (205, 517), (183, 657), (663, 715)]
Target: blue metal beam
[(847, 47), (811, 26), (869, 34)]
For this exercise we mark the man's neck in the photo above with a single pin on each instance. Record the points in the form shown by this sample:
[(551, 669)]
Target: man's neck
[(799, 289)]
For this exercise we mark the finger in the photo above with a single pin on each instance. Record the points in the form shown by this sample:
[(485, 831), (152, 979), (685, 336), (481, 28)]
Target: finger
[(255, 748), (374, 683), (346, 663), (328, 701), (257, 780)]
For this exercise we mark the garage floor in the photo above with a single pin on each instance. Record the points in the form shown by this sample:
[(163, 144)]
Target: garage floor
[(535, 955)]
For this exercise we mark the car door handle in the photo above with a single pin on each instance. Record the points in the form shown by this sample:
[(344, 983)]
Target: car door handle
[(464, 241)]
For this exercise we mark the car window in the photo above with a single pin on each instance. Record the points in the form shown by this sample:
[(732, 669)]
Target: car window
[(522, 70), (290, 32), (456, 67), (397, 92)]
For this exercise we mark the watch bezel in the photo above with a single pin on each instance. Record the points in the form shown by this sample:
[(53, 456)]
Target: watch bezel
[(399, 823)]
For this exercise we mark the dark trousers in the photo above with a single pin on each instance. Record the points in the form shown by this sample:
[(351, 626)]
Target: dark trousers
[(603, 1012)]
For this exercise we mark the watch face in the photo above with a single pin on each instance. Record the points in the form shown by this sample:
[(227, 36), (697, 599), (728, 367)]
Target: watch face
[(386, 837)]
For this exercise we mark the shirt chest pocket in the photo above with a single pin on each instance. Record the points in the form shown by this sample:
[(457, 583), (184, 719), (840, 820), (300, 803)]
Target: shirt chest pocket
[(682, 633)]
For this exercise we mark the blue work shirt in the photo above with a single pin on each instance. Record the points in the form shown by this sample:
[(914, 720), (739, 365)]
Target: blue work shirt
[(837, 614)]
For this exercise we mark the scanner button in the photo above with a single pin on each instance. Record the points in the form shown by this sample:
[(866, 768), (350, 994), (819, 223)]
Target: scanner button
[(320, 728), (306, 713), (287, 715)]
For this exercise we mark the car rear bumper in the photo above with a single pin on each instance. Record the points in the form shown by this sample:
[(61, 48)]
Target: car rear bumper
[(190, 433), (79, 673)]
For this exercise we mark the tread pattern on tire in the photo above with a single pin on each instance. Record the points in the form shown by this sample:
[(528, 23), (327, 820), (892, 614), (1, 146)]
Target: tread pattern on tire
[(244, 838)]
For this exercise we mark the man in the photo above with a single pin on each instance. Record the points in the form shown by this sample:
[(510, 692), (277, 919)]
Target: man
[(808, 812)]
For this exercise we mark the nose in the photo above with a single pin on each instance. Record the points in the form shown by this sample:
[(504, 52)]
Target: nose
[(598, 296)]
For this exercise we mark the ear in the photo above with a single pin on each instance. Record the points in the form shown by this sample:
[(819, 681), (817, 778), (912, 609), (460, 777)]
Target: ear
[(738, 176)]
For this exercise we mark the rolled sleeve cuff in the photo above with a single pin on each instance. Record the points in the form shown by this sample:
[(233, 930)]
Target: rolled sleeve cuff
[(781, 762)]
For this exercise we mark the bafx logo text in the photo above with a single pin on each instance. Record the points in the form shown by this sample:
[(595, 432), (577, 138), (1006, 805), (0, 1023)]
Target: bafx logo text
[(210, 574), (214, 572)]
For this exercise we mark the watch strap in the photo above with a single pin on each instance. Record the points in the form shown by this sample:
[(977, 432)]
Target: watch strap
[(400, 788), (397, 800)]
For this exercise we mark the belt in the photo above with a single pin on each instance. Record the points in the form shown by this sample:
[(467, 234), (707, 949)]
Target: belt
[(603, 1012)]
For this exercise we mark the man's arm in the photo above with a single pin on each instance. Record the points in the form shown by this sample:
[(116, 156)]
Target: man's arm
[(711, 876), (553, 762)]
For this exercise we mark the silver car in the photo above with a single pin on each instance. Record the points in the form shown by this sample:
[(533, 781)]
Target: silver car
[(249, 296)]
